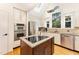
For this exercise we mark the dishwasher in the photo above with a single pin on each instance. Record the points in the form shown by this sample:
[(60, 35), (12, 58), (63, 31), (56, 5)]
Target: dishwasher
[(67, 41)]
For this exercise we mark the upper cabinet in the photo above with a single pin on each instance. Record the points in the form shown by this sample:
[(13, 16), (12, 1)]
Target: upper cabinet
[(19, 16), (23, 17), (67, 20), (76, 19), (70, 20)]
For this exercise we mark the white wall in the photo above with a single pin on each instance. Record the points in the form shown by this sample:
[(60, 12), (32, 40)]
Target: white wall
[(9, 8)]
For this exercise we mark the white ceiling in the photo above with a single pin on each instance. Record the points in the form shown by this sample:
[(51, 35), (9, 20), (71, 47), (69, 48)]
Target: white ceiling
[(27, 6), (40, 11)]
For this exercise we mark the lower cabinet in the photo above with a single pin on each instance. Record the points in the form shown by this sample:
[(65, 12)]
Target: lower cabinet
[(67, 41), (77, 43), (70, 41), (57, 39)]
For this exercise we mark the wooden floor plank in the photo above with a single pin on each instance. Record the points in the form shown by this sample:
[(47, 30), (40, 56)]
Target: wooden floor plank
[(62, 51), (57, 51)]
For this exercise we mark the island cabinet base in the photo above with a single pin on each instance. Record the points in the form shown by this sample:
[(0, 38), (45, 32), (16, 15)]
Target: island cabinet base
[(46, 48)]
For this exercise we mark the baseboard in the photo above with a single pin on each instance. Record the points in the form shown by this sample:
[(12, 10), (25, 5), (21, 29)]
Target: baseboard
[(16, 47)]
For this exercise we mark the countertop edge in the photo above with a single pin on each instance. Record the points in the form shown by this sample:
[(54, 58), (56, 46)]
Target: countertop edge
[(35, 44)]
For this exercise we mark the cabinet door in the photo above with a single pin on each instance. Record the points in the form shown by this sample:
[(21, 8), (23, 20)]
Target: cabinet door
[(23, 17), (67, 41), (65, 23), (76, 19), (17, 15), (57, 39), (77, 43)]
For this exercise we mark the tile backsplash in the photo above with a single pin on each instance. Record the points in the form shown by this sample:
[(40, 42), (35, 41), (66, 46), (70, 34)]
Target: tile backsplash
[(58, 30), (76, 30)]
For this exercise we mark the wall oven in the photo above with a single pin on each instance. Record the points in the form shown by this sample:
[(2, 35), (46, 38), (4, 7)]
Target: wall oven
[(19, 27), (19, 31)]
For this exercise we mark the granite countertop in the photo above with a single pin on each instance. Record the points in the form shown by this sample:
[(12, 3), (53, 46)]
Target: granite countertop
[(69, 33), (32, 45), (75, 34)]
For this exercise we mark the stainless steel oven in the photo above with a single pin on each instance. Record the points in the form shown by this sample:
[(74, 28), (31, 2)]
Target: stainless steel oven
[(19, 27), (19, 31), (18, 34)]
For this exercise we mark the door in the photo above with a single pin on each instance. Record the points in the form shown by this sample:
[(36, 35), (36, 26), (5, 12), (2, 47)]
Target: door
[(3, 32)]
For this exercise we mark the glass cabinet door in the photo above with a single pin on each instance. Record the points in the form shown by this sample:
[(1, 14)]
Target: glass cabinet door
[(67, 21)]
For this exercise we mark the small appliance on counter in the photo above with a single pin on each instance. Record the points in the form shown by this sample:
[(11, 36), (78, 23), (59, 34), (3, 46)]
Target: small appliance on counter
[(42, 29), (19, 31)]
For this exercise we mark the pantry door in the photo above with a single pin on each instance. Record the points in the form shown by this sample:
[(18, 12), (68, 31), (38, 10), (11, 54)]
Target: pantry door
[(3, 32)]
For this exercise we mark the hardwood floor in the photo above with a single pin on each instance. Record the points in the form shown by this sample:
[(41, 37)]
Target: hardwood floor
[(62, 51), (57, 51), (15, 51)]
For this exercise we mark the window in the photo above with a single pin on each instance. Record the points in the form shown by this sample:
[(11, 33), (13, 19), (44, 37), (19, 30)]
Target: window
[(56, 20), (47, 24), (67, 22)]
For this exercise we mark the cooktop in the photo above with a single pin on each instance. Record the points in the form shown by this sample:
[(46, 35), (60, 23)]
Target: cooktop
[(35, 39)]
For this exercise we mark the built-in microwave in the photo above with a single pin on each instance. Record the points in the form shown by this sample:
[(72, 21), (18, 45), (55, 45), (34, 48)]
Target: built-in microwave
[(19, 27)]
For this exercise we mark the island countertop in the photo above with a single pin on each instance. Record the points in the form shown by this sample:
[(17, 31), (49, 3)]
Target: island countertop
[(32, 45)]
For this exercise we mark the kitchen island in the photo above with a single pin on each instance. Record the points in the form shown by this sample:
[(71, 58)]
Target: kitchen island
[(37, 45)]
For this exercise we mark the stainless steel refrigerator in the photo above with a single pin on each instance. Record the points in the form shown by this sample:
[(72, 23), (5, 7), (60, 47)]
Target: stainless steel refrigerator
[(31, 28)]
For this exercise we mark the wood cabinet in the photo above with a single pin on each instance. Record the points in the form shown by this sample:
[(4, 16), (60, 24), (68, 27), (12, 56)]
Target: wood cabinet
[(46, 48)]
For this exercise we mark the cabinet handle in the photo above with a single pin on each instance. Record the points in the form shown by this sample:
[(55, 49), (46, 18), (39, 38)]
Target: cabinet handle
[(5, 34)]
